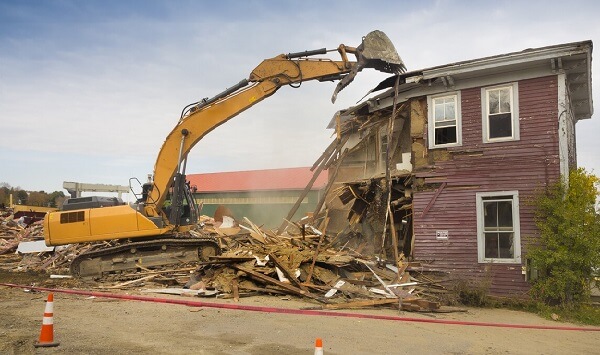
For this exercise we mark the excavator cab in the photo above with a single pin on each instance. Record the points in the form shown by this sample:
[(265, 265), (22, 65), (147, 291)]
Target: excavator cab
[(180, 206)]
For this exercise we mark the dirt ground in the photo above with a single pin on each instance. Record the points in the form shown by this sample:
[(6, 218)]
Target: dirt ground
[(85, 325)]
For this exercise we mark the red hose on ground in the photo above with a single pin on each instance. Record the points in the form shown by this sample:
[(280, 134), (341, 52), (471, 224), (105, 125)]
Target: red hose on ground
[(295, 311)]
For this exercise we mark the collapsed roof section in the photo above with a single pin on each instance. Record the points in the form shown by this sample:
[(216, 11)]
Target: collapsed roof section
[(574, 59)]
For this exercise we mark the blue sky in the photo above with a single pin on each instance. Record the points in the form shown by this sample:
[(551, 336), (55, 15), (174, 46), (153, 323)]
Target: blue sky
[(90, 89)]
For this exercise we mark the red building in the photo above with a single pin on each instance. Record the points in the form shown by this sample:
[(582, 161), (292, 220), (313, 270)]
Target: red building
[(263, 196), (469, 146)]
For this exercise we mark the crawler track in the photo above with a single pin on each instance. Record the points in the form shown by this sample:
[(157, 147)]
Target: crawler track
[(150, 253)]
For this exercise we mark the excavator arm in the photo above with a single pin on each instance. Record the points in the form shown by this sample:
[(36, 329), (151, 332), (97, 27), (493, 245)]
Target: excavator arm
[(149, 218), (375, 51), (264, 81)]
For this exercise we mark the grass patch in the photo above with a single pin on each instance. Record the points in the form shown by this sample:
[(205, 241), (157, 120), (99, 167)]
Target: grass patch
[(475, 294), (582, 314)]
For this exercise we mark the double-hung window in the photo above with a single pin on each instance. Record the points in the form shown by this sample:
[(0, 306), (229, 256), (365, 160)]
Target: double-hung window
[(500, 113), (444, 120), (498, 233)]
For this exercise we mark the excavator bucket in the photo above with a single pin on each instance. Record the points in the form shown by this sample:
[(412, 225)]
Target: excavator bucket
[(376, 51)]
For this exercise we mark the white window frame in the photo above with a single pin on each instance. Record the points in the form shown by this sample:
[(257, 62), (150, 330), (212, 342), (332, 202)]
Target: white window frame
[(516, 228), (431, 119), (514, 104)]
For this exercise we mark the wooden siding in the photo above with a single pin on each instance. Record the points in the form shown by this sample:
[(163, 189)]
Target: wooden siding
[(525, 165)]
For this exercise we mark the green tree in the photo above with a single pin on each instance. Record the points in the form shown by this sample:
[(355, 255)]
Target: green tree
[(5, 191), (37, 198), (56, 199), (21, 197), (568, 252)]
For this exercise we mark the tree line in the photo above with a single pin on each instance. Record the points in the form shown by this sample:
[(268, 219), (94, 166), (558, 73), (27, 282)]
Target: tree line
[(31, 198)]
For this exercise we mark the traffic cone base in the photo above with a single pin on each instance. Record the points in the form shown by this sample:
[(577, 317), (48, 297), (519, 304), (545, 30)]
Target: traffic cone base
[(45, 345), (47, 333)]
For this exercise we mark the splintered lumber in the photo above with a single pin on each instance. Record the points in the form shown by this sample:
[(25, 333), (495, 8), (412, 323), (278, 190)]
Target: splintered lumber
[(331, 178), (394, 239), (423, 303), (312, 264), (391, 293), (287, 272), (181, 292), (287, 287), (361, 304), (255, 231), (129, 283), (326, 154), (262, 289), (236, 290), (329, 278), (158, 272), (410, 307), (231, 258), (324, 161)]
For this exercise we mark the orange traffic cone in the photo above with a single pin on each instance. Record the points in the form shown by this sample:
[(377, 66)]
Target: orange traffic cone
[(47, 333), (319, 346)]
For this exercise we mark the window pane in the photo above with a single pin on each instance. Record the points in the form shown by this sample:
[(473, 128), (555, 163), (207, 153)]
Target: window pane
[(504, 100), (444, 109), (439, 111), (493, 101), (445, 135), (450, 112), (505, 215), (491, 245), (490, 216), (500, 125), (505, 242)]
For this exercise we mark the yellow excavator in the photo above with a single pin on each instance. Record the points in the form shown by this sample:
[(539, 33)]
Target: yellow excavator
[(157, 229)]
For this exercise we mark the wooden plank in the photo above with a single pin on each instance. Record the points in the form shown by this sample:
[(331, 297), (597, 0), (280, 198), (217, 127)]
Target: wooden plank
[(129, 283), (158, 272), (255, 231), (287, 272), (330, 183), (361, 304), (233, 258), (303, 195), (314, 260), (235, 289), (394, 239), (262, 289), (290, 288)]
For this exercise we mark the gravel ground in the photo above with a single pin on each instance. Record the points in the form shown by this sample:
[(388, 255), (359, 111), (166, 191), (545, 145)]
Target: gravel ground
[(86, 325)]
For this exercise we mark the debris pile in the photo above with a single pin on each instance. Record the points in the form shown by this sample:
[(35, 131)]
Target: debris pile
[(301, 262), (14, 231)]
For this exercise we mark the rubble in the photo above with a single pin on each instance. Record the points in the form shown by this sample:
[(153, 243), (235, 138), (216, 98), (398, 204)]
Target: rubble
[(301, 262)]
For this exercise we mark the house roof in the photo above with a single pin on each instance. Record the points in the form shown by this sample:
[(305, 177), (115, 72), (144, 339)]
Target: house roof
[(573, 59), (257, 180)]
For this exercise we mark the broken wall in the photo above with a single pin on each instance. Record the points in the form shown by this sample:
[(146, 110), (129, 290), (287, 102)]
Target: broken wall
[(357, 202)]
